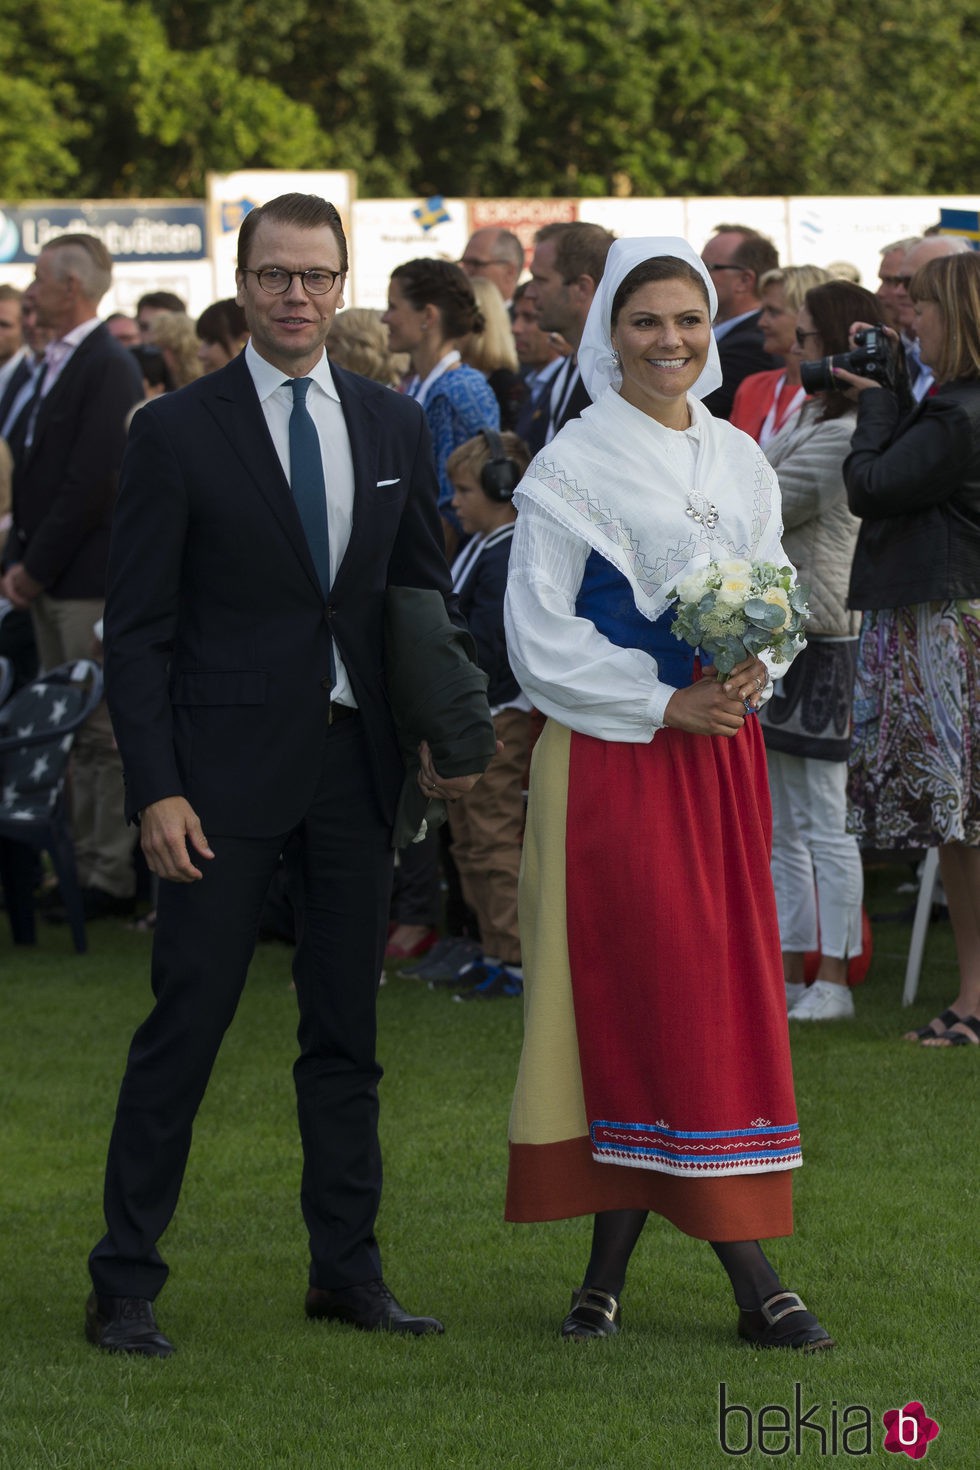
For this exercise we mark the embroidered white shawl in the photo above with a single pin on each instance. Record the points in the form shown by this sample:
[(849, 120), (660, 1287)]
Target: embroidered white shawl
[(621, 482)]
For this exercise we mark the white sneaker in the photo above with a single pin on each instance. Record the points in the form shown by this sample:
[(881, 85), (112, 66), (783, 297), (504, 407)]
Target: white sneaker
[(824, 1002), (794, 993)]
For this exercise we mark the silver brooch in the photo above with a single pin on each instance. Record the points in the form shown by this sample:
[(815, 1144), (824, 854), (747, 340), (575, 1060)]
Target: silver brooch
[(702, 510)]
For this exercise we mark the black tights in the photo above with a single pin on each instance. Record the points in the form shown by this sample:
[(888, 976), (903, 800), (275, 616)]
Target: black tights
[(616, 1232)]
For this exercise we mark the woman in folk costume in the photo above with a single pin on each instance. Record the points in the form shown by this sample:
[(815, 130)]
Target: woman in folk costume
[(655, 1073)]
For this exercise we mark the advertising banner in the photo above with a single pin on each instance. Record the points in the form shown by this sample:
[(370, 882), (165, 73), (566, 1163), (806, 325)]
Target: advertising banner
[(139, 230)]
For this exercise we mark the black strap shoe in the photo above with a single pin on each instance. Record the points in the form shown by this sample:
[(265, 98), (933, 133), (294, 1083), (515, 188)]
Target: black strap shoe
[(784, 1322), (125, 1324), (371, 1307), (594, 1314)]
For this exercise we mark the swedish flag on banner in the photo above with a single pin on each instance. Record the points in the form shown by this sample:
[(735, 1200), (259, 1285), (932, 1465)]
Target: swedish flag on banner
[(233, 211), (965, 222), (432, 212)]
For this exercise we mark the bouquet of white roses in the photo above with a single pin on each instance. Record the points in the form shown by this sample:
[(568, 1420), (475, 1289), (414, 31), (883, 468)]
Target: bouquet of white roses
[(733, 609)]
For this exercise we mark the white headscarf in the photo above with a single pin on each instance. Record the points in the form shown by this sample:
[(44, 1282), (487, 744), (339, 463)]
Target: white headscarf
[(596, 359), (621, 481)]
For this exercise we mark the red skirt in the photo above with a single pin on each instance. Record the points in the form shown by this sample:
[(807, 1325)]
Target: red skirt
[(656, 1068)]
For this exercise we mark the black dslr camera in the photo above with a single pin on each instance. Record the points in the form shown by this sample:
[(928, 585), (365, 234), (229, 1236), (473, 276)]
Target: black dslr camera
[(873, 356)]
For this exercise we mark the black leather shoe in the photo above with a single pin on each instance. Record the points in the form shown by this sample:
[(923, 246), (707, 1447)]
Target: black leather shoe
[(370, 1307), (784, 1322), (125, 1324), (594, 1314)]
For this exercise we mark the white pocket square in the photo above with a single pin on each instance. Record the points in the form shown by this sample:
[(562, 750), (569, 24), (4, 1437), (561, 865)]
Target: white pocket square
[(382, 483)]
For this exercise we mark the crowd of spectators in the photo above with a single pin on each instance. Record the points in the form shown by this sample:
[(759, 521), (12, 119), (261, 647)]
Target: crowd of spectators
[(489, 348)]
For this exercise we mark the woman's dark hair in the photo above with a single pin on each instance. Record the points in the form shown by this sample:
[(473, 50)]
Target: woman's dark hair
[(657, 268), (445, 286), (833, 307), (153, 366), (223, 322)]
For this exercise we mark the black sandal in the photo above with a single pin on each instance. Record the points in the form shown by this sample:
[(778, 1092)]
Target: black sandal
[(947, 1019), (957, 1038), (783, 1322), (594, 1314)]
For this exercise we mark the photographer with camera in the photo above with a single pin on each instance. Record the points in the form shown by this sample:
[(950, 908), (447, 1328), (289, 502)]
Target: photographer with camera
[(816, 864), (915, 482)]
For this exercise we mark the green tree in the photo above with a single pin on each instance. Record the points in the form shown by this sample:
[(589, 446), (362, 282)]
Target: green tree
[(529, 97), (100, 105)]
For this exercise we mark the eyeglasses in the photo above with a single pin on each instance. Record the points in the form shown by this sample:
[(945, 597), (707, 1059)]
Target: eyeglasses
[(801, 336), (276, 280), (714, 268), (894, 280), (480, 265)]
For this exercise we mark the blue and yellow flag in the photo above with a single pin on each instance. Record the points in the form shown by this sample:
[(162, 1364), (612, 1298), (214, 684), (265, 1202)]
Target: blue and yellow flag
[(965, 222), (432, 212)]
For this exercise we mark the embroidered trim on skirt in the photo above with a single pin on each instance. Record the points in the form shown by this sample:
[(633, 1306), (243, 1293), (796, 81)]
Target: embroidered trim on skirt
[(656, 1070)]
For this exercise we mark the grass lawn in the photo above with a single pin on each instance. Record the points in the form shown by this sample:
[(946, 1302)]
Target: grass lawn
[(885, 1250)]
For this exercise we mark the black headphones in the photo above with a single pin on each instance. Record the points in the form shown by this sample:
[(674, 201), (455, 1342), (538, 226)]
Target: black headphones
[(500, 476)]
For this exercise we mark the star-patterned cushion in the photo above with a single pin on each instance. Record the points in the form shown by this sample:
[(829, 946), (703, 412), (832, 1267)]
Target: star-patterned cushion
[(33, 775)]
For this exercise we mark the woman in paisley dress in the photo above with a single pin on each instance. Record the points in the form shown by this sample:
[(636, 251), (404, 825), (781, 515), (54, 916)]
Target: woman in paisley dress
[(915, 482)]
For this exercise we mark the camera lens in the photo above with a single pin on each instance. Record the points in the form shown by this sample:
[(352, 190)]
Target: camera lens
[(816, 377)]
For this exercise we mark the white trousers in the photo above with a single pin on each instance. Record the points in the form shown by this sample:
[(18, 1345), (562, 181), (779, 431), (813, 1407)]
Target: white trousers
[(816, 864)]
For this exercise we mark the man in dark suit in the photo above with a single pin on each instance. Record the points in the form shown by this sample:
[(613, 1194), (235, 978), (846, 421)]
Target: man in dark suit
[(738, 257), (540, 360), (264, 511), (566, 268), (67, 445), (15, 356)]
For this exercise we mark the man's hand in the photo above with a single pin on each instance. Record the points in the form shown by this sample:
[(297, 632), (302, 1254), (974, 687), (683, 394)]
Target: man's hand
[(166, 827), (19, 587), (447, 788)]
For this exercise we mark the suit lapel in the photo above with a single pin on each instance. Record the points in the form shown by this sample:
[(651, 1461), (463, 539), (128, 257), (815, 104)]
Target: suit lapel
[(62, 387), (359, 400), (235, 407)]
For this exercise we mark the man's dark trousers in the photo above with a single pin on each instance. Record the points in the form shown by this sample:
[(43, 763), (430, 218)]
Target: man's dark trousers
[(340, 863)]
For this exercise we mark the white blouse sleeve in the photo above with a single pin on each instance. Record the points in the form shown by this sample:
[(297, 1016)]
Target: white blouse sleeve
[(565, 666)]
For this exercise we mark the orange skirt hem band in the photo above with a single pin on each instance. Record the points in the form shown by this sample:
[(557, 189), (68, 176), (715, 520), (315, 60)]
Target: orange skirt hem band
[(558, 1181)]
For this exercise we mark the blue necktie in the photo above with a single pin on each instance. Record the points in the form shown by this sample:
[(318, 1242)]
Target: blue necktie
[(306, 480)]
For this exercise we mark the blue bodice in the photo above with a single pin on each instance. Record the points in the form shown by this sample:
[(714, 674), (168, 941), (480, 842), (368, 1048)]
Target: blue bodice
[(606, 599)]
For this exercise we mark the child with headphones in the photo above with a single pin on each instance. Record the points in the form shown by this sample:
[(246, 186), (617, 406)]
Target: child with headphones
[(487, 824)]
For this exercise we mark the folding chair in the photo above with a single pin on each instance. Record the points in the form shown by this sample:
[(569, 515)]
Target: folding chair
[(37, 731)]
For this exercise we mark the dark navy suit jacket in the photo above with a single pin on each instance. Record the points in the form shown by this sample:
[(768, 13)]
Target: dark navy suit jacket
[(217, 631), (65, 479), (741, 353)]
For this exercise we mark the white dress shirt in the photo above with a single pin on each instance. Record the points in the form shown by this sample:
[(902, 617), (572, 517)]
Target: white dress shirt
[(58, 354), (722, 329), (323, 402)]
